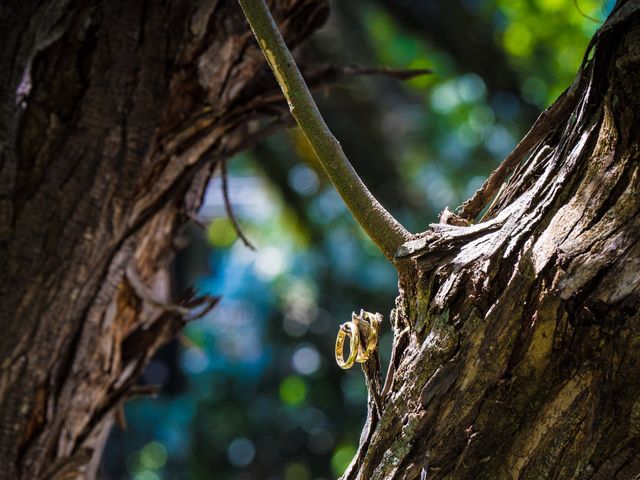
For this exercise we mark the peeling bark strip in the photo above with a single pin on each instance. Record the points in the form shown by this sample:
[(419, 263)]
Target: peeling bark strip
[(523, 352), (112, 116)]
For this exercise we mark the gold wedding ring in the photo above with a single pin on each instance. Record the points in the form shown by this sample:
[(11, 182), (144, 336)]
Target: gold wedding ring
[(363, 331), (347, 329), (369, 325)]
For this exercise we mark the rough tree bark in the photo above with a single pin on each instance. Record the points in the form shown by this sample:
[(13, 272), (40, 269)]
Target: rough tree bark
[(517, 338), (113, 115)]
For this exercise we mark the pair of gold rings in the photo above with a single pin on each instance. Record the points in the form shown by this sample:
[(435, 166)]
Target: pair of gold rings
[(362, 331)]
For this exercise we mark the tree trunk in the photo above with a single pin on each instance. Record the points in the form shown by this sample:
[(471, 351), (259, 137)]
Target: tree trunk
[(113, 115), (517, 338)]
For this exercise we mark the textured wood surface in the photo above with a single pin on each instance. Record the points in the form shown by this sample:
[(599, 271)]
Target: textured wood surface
[(113, 115)]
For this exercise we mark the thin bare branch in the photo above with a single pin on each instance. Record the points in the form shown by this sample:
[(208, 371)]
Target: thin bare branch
[(385, 231), (227, 205)]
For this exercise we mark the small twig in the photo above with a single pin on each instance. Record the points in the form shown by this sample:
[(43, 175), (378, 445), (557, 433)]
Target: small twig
[(227, 205), (150, 390), (199, 221), (204, 304), (397, 73), (186, 342), (121, 418), (385, 231), (331, 73), (588, 17), (145, 294), (328, 75), (252, 140)]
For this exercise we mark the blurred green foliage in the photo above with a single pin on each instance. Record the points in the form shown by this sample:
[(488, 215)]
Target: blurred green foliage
[(252, 390)]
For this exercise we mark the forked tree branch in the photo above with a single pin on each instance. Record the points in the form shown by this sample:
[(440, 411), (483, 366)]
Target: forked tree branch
[(385, 231)]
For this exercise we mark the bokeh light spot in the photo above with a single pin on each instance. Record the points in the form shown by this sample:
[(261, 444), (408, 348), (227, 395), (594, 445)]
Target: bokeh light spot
[(551, 5), (500, 141), (445, 98), (293, 391), (146, 475), (518, 40), (303, 180), (341, 457), (306, 360), (297, 471), (153, 456), (471, 88), (241, 452), (194, 360), (220, 232), (320, 441), (270, 263)]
